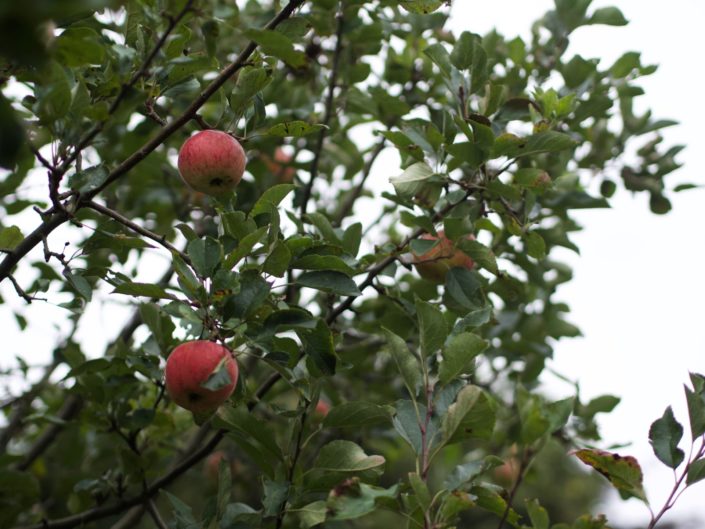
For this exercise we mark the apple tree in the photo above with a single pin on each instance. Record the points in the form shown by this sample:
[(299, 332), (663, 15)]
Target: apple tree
[(384, 274)]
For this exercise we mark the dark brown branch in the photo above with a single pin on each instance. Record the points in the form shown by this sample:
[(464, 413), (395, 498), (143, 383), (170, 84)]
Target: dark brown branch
[(160, 239), (152, 508), (328, 114), (60, 217), (20, 291)]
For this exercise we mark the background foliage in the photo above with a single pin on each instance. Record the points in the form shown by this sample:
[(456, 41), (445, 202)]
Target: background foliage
[(437, 418)]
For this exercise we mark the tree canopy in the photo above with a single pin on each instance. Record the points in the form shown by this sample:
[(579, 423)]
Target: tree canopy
[(389, 340)]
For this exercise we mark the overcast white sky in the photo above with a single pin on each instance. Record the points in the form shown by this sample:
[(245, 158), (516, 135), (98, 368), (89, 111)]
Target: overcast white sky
[(638, 287)]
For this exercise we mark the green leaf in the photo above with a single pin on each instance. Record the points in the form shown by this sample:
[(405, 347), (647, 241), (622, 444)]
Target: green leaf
[(468, 54), (468, 152), (535, 245), (357, 414), (323, 262), (346, 456), (696, 472), (610, 16), (12, 134), (423, 496), (277, 44), (10, 237), (312, 514), (182, 513), (406, 422), (89, 179), (467, 472), (55, 96), (278, 259), (148, 290), (462, 290), (441, 58), (354, 500), (412, 179), (623, 472), (459, 355), (559, 412), (352, 237), (406, 362), (537, 514), (489, 499), (664, 435), (250, 81), (219, 377), (244, 247), (79, 46), (548, 141), (240, 513), (696, 411), (480, 253), (275, 494), (205, 255), (271, 197), (463, 405), (318, 345), (433, 329), (324, 227), (249, 425), (294, 129), (253, 291), (329, 281), (421, 7), (225, 483)]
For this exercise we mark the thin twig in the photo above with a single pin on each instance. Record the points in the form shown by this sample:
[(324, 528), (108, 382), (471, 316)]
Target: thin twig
[(152, 509), (42, 160), (292, 468), (20, 291), (523, 467), (160, 239), (328, 113)]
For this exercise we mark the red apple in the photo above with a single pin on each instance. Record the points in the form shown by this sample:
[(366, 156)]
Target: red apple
[(280, 166), (212, 162), (435, 263), (190, 365), (321, 410)]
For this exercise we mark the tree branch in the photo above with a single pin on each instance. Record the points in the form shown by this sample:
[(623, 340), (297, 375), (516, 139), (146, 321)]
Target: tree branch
[(160, 239), (328, 114)]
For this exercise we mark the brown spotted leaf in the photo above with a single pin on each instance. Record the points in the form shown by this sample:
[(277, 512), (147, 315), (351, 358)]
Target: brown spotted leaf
[(623, 472)]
